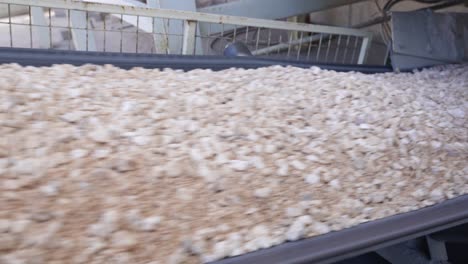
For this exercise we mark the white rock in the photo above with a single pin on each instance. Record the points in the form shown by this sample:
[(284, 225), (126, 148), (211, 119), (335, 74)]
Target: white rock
[(239, 165), (141, 140), (101, 153), (27, 166), (306, 219), (51, 189), (127, 106), (283, 170), (436, 194), (298, 165), (260, 230), (12, 185), (222, 249), (78, 153), (150, 223), (100, 135), (108, 223), (270, 148), (262, 192), (312, 178), (195, 246), (125, 165), (335, 183), (74, 93), (207, 174), (436, 144), (251, 210), (124, 240), (184, 194), (320, 228), (377, 197), (364, 126), (298, 228), (419, 193), (58, 159), (312, 158), (8, 242), (294, 211), (257, 162), (4, 225), (173, 169), (72, 117), (19, 226), (457, 112)]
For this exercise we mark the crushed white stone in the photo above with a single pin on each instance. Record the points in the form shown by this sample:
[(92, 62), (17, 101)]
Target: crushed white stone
[(101, 164)]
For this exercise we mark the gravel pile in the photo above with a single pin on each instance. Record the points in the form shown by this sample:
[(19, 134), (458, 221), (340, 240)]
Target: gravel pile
[(104, 165)]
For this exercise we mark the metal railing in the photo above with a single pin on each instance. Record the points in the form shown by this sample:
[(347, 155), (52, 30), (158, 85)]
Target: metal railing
[(66, 24)]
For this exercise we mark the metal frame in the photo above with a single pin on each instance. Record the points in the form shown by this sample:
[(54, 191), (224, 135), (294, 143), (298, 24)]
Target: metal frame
[(188, 46), (277, 9)]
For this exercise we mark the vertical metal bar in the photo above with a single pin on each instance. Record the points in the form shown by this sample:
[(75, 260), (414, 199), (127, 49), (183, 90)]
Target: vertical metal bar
[(87, 33), (269, 38), (153, 48), (235, 33), (69, 30), (355, 47), (309, 48), (337, 48), (246, 34), (50, 29), (319, 47), (346, 49), (137, 28), (121, 32), (280, 40), (188, 44), (300, 45), (289, 42), (83, 36), (167, 32), (9, 23), (366, 41), (105, 31), (328, 48), (222, 30), (258, 39), (30, 28), (195, 44)]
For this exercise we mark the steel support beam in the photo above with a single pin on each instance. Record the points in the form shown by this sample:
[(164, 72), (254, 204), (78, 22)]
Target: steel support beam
[(188, 45), (366, 42), (270, 9), (437, 250)]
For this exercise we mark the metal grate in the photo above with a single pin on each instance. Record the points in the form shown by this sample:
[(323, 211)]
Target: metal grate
[(65, 24)]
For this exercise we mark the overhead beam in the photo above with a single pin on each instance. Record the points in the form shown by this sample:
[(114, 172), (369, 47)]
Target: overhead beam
[(268, 9), (273, 9)]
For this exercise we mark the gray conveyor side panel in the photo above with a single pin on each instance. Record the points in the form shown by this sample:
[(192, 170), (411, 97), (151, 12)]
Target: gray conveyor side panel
[(363, 238), (40, 57)]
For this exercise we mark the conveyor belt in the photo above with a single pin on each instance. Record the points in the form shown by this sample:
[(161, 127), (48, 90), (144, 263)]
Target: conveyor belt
[(326, 248), (38, 57), (363, 238)]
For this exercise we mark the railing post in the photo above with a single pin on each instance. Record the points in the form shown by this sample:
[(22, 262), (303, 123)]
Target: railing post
[(83, 38), (39, 23), (366, 42), (188, 45)]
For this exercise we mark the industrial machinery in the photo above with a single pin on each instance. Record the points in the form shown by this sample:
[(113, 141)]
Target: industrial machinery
[(128, 33)]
